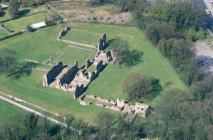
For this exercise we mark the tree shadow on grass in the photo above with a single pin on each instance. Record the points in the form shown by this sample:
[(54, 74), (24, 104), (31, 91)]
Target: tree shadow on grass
[(24, 69), (24, 12), (2, 14)]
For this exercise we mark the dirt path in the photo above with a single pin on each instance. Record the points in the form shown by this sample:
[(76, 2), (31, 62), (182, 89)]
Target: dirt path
[(77, 43), (70, 46)]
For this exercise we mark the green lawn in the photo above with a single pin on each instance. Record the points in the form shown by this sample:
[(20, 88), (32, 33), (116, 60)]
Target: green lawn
[(108, 84), (21, 23), (31, 90), (7, 16), (42, 45), (2, 34), (8, 112)]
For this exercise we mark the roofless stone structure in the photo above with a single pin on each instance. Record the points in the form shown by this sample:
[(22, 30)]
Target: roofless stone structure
[(76, 79)]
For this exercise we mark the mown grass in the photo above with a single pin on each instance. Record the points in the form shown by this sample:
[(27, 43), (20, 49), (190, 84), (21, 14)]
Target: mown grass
[(42, 45), (31, 90), (2, 34), (109, 83), (21, 23), (8, 112)]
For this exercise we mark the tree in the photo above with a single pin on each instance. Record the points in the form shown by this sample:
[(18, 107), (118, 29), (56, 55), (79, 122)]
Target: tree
[(124, 55), (1, 11), (31, 122), (7, 61), (23, 69), (14, 6), (105, 120), (157, 31), (141, 88), (182, 15), (29, 28), (179, 117)]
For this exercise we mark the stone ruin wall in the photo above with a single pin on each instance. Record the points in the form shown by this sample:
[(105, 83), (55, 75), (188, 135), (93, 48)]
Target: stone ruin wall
[(52, 74), (77, 79), (139, 109), (69, 75)]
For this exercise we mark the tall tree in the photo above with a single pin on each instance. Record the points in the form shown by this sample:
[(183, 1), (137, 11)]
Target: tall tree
[(14, 6), (7, 61)]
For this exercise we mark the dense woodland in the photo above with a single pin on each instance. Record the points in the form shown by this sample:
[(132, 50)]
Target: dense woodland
[(183, 115)]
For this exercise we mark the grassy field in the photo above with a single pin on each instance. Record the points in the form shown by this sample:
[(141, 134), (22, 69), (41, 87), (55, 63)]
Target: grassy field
[(21, 23), (31, 90), (8, 112), (2, 34), (42, 45), (108, 84)]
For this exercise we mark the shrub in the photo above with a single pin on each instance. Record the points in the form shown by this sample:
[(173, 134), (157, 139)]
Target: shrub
[(141, 88), (157, 31), (124, 55), (29, 28)]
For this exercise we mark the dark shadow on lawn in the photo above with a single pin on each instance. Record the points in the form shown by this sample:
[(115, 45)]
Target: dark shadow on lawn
[(24, 12)]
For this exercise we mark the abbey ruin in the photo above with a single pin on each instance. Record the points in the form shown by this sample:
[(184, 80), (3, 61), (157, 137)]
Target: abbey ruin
[(77, 78)]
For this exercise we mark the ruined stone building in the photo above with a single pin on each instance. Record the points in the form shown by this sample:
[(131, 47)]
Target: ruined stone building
[(131, 110), (76, 79)]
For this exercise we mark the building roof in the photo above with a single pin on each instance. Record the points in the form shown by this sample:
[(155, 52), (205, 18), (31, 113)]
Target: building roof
[(38, 25), (4, 6)]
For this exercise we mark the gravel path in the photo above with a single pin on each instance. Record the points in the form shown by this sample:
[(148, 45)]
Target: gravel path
[(205, 55)]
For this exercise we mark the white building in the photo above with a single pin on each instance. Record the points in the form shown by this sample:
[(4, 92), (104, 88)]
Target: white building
[(4, 6), (38, 25)]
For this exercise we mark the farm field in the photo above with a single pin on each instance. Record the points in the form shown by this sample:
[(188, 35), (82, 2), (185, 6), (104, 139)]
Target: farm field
[(8, 112), (43, 45)]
